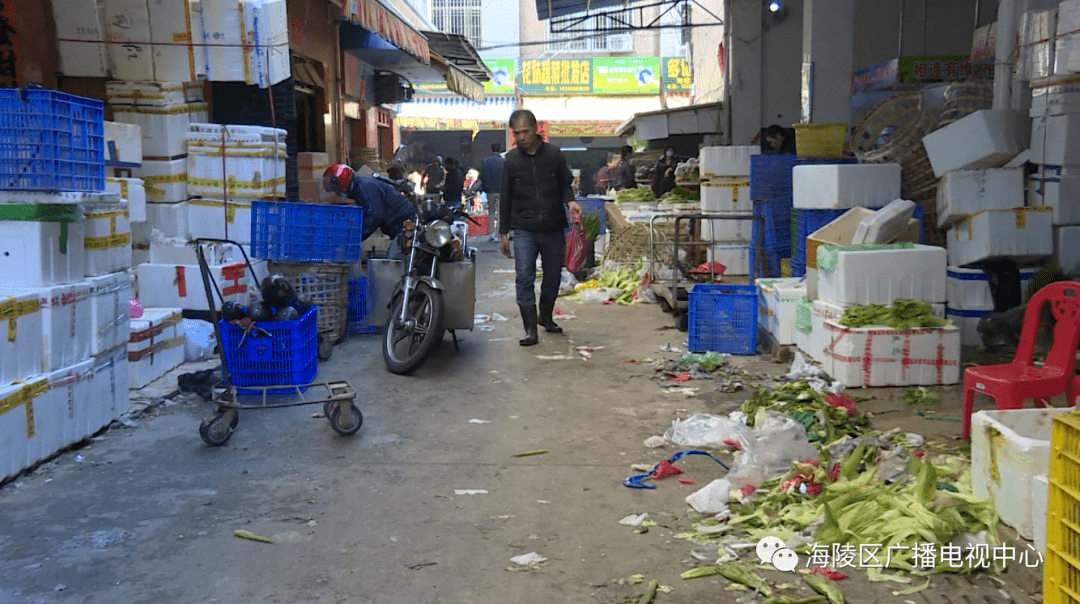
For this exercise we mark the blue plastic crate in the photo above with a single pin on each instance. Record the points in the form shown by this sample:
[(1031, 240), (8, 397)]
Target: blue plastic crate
[(288, 357), (723, 318), (798, 269), (305, 232), (51, 141), (777, 218), (808, 221), (770, 175), (359, 308)]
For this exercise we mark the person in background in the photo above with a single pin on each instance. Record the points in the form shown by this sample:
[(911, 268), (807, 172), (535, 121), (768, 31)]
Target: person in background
[(384, 207), (624, 173), (535, 200), (605, 176), (454, 184), (664, 173), (434, 175), (491, 173), (780, 140), (472, 190)]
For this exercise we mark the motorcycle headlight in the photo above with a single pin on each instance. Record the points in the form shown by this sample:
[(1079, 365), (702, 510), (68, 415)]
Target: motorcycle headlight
[(438, 233)]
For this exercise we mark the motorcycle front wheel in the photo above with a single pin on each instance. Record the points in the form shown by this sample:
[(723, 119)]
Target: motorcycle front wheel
[(407, 344)]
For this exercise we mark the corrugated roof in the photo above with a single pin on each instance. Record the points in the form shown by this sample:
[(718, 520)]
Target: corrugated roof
[(546, 9)]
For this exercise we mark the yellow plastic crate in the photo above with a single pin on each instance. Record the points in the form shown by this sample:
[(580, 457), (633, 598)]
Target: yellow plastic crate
[(1061, 570), (820, 140)]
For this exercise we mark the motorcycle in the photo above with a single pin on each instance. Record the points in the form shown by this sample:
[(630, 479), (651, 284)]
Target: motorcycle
[(436, 292)]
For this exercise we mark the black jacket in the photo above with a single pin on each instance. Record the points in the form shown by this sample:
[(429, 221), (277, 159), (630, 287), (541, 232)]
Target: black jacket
[(535, 190)]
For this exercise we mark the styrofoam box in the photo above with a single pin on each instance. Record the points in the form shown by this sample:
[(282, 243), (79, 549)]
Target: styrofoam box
[(1040, 498), (264, 24), (1008, 449), (969, 289), (58, 197), (984, 139), (1057, 188), (68, 411), (31, 253), (727, 231), (766, 303), (171, 24), (78, 27), (130, 189), (208, 218), (881, 276), (15, 423), (726, 195), (195, 9), (109, 383), (311, 165), (156, 345), (107, 239), (147, 94), (177, 250), (169, 218), (1037, 29), (254, 161), (181, 286), (164, 181), (164, 129), (1018, 233), (1054, 140), (21, 349), (312, 191), (776, 306), (821, 311), (1054, 100), (1067, 249), (735, 257), (839, 186), (1066, 45), (881, 356), (965, 192), (726, 161), (968, 323), (126, 139), (109, 311), (66, 324), (127, 29)]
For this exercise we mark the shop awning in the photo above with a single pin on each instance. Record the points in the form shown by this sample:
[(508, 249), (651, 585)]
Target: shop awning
[(457, 50), (706, 118), (373, 16), (457, 80), (546, 9)]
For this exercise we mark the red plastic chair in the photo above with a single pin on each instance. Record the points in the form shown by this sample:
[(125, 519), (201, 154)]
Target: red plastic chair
[(1010, 384)]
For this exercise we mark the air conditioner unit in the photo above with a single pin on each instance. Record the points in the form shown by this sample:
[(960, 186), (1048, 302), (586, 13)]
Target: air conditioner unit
[(620, 42), (391, 88)]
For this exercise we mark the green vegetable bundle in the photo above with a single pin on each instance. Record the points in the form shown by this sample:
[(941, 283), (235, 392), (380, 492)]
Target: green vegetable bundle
[(636, 194), (624, 278), (904, 314), (679, 195)]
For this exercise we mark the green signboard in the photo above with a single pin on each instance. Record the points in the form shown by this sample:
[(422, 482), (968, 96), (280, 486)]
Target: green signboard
[(555, 76), (626, 75), (676, 76), (504, 76)]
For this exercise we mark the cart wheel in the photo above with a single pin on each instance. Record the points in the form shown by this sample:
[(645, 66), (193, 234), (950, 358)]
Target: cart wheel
[(327, 409), (664, 306), (326, 348), (346, 420), (682, 321), (216, 430)]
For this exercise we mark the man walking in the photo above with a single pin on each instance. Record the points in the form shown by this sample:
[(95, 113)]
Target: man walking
[(491, 171), (535, 199)]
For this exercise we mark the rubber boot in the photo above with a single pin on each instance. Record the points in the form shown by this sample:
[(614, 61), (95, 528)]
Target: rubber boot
[(528, 317), (547, 306)]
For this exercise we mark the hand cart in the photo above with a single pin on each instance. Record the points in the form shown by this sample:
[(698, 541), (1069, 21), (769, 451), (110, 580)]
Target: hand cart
[(672, 291), (337, 397)]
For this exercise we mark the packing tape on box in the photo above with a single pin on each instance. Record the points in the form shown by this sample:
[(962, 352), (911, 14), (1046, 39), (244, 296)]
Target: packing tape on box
[(233, 184), (138, 355), (25, 396), (175, 110), (123, 186), (237, 148), (149, 181), (107, 241), (150, 332), (230, 209), (11, 309)]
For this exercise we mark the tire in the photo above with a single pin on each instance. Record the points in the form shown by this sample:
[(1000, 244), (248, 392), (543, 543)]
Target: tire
[(682, 321), (346, 420), (216, 430), (325, 347), (407, 346)]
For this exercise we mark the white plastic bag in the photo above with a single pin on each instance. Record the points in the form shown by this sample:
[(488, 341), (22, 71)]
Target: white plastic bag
[(568, 281), (597, 295), (776, 441), (707, 431), (711, 498), (199, 339)]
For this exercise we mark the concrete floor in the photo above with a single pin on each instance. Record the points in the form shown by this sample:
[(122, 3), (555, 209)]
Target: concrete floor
[(147, 514)]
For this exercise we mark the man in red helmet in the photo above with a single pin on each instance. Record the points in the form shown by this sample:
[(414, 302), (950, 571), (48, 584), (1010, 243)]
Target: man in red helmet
[(384, 207)]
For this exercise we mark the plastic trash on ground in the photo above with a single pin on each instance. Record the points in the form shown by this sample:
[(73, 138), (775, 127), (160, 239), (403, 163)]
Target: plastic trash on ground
[(775, 442), (707, 431), (711, 498), (199, 339), (568, 282), (598, 295)]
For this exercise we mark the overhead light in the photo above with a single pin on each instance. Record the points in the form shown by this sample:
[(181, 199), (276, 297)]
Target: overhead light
[(774, 7)]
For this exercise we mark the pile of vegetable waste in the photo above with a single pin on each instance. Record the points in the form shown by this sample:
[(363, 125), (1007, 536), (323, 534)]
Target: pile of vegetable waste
[(824, 422), (904, 314)]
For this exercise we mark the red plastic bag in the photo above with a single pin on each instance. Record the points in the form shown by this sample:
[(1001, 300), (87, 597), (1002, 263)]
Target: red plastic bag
[(575, 247)]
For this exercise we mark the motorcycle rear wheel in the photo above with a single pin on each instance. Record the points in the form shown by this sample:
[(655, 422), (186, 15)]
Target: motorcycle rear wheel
[(407, 345)]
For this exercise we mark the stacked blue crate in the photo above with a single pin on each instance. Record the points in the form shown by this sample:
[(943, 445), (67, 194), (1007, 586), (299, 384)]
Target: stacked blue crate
[(776, 214)]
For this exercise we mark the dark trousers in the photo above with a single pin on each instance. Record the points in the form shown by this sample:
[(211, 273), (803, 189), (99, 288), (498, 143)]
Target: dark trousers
[(551, 248)]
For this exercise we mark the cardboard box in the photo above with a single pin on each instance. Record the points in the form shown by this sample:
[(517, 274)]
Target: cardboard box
[(1020, 233), (312, 165), (842, 231), (965, 192), (984, 139), (840, 186)]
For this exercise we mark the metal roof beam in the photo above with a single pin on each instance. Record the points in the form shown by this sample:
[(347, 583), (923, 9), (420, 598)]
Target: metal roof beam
[(617, 20)]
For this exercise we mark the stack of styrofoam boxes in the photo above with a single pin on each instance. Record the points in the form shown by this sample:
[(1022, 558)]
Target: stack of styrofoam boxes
[(254, 168), (246, 41), (777, 307), (877, 355), (153, 41), (311, 167), (172, 279), (81, 38), (725, 187), (155, 346)]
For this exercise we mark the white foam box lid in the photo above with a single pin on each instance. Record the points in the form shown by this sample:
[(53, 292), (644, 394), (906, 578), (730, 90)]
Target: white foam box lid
[(78, 27), (726, 195), (21, 347), (181, 286), (1008, 449), (967, 321), (131, 190), (164, 181), (1018, 233), (208, 218), (109, 311), (969, 289), (984, 139), (840, 186), (169, 218), (1067, 248), (37, 253), (171, 28), (127, 28), (881, 276), (962, 193), (1056, 188), (735, 257), (1054, 140), (1067, 43), (844, 230), (726, 161), (126, 139), (881, 356), (886, 224)]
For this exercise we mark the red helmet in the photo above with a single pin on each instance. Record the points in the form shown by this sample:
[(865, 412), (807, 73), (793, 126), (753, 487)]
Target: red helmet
[(337, 178)]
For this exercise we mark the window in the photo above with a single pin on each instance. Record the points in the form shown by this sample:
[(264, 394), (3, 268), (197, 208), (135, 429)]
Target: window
[(583, 37), (460, 17)]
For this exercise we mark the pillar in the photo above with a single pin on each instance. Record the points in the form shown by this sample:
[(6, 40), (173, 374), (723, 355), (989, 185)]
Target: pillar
[(828, 60), (742, 41)]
